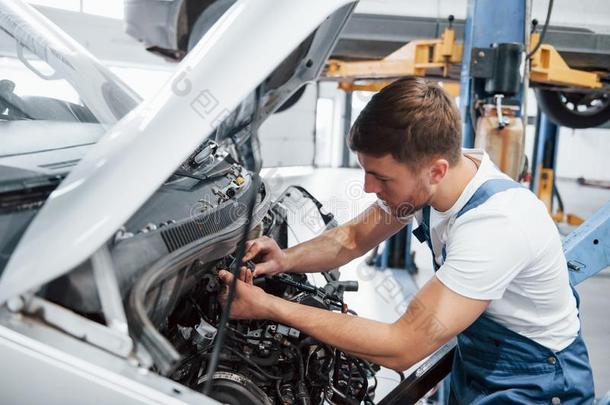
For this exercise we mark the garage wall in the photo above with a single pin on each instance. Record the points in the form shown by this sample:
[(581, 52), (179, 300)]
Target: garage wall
[(584, 153), (287, 138), (310, 133), (330, 125)]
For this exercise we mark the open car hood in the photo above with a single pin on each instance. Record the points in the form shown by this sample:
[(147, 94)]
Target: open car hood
[(233, 61)]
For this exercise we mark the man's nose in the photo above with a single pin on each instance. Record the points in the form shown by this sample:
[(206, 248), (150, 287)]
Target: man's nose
[(371, 185)]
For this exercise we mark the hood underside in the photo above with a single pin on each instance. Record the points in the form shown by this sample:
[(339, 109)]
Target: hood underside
[(231, 81)]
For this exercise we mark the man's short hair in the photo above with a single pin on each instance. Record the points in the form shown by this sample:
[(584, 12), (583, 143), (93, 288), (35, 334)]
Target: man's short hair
[(413, 120)]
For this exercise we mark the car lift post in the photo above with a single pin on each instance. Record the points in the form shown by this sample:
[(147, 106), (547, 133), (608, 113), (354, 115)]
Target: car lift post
[(487, 24), (544, 158)]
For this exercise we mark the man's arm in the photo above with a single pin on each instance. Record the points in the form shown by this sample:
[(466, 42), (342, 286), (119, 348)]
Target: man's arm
[(331, 249), (434, 316)]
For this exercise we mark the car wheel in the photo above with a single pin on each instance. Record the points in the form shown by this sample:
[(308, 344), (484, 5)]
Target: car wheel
[(574, 110)]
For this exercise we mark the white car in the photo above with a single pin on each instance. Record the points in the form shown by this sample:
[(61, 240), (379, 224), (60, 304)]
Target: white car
[(116, 214)]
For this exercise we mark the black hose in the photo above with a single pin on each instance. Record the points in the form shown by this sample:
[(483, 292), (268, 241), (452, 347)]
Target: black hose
[(256, 366), (559, 199), (360, 365), (301, 364), (543, 33), (241, 250), (277, 389)]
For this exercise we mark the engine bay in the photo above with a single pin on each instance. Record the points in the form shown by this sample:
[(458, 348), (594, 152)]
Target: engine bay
[(263, 362), (176, 315), (166, 260)]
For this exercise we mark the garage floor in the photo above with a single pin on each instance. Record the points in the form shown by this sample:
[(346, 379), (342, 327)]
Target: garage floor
[(383, 293)]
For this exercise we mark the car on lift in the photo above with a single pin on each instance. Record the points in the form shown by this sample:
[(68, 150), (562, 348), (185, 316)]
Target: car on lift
[(172, 27), (116, 215)]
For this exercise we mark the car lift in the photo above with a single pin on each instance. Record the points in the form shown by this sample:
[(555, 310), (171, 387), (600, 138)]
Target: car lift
[(587, 249), (440, 58)]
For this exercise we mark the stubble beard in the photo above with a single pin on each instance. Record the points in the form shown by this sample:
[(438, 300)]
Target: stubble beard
[(419, 200)]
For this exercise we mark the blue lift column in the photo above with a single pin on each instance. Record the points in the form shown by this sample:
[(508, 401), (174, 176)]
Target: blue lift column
[(488, 22), (545, 147)]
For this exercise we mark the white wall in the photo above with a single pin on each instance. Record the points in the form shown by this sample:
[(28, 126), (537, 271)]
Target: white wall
[(287, 137), (331, 125), (105, 38), (584, 153)]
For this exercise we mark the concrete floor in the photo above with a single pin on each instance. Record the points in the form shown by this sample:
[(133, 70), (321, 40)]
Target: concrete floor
[(383, 293)]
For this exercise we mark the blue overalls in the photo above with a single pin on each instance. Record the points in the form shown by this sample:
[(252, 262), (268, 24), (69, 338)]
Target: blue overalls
[(494, 365)]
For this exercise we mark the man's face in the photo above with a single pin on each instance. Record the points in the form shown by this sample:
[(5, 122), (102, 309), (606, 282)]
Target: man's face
[(402, 189)]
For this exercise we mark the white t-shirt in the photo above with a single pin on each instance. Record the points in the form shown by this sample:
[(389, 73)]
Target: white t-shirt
[(507, 250)]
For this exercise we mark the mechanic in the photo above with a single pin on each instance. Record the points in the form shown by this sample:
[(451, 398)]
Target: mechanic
[(501, 282)]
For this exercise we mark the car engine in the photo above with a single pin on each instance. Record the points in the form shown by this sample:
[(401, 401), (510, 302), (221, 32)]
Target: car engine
[(167, 258), (261, 362)]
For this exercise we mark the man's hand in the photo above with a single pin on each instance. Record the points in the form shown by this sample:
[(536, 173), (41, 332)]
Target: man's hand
[(250, 302), (267, 255)]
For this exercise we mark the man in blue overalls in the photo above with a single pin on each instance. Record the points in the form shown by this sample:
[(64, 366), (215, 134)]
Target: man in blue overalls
[(501, 283)]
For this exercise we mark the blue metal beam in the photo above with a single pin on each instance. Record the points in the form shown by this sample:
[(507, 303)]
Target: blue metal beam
[(545, 147), (487, 22), (538, 146), (587, 249)]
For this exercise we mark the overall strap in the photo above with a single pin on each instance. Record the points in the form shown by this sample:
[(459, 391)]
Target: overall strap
[(422, 233), (483, 193)]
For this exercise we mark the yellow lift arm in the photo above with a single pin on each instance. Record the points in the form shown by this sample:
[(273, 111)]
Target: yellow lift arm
[(547, 66), (413, 59), (422, 57)]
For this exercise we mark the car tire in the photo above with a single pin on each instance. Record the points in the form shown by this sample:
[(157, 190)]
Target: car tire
[(574, 110)]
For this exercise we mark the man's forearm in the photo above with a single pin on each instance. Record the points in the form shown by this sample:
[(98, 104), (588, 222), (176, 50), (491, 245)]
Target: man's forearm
[(330, 250), (340, 245), (374, 341)]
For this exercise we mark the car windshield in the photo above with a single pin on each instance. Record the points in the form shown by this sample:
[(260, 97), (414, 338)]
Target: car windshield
[(28, 93), (55, 98), (45, 75)]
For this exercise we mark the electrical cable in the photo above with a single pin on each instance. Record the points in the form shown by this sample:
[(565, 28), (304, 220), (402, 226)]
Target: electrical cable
[(256, 366), (241, 250), (543, 33), (558, 196)]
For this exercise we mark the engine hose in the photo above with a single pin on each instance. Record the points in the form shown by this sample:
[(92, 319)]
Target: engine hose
[(300, 362), (344, 397), (256, 366), (224, 319), (558, 196), (302, 394)]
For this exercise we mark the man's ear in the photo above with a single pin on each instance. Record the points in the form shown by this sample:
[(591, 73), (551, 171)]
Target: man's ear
[(438, 170)]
